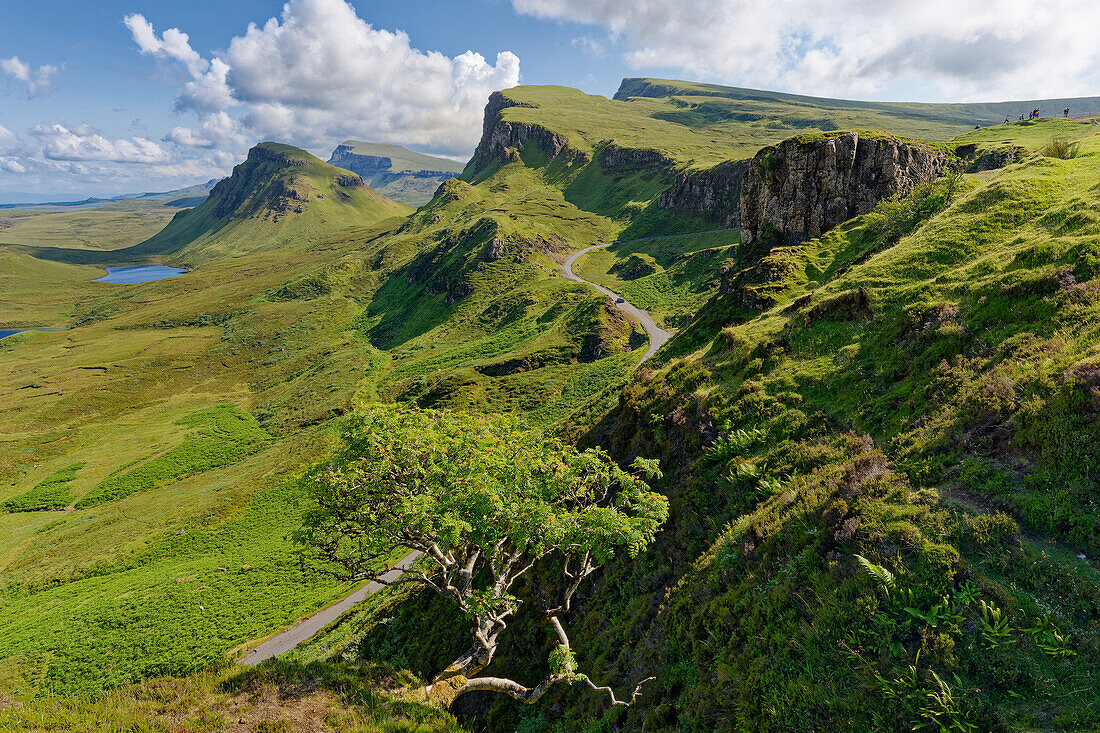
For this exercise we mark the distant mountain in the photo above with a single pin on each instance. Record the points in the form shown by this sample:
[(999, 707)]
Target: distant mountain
[(397, 172), (180, 197), (7, 198), (279, 195)]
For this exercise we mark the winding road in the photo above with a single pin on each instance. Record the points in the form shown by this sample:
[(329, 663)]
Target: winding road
[(657, 335), (306, 628)]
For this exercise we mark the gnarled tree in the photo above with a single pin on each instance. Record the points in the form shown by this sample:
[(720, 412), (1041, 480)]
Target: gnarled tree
[(483, 499)]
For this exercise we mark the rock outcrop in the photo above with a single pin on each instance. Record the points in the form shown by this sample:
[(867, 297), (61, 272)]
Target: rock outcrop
[(805, 186), (713, 194), (618, 159), (504, 140)]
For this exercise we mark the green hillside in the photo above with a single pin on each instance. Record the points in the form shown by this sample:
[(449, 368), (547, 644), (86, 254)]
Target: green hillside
[(920, 395), (701, 101), (279, 195), (884, 508)]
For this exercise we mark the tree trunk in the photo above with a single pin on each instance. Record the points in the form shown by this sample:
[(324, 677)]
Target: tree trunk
[(448, 683)]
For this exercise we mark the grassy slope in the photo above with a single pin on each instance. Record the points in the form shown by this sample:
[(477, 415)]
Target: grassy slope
[(280, 195), (293, 340), (971, 375), (278, 696), (683, 271), (289, 340), (116, 393), (904, 118), (403, 159)]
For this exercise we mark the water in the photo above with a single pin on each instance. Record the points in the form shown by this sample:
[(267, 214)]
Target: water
[(4, 332), (139, 274)]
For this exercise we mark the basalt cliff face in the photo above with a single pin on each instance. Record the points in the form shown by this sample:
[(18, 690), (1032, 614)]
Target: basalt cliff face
[(712, 194), (504, 140), (803, 187)]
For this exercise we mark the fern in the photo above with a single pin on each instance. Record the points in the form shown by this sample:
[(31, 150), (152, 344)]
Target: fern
[(879, 573)]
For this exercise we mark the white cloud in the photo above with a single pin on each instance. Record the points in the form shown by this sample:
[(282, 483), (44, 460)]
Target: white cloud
[(960, 48), (318, 74), (38, 81), (82, 143), (172, 44), (9, 141), (218, 130), (11, 165)]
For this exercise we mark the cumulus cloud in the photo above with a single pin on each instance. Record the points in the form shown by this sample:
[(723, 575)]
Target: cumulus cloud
[(959, 48), (12, 165), (82, 143), (218, 130), (9, 141), (38, 80), (318, 73), (172, 44)]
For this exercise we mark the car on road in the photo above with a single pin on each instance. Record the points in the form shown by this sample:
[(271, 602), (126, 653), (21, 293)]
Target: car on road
[(620, 300)]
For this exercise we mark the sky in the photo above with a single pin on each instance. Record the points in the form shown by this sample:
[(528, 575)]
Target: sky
[(117, 96)]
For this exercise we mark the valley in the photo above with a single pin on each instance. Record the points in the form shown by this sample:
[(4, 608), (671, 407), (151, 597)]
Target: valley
[(820, 394)]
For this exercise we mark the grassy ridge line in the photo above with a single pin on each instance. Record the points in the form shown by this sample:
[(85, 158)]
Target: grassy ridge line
[(278, 196), (959, 114), (403, 159)]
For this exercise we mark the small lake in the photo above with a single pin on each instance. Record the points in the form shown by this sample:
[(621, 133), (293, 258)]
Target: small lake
[(5, 332), (139, 274)]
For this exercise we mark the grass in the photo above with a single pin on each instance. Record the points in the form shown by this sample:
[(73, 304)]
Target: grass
[(174, 603), (923, 334), (668, 276), (277, 697), (403, 159), (52, 493), (699, 125), (25, 302), (102, 228), (952, 353), (222, 435), (279, 195)]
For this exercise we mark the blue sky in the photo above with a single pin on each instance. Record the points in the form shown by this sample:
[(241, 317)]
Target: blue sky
[(110, 96)]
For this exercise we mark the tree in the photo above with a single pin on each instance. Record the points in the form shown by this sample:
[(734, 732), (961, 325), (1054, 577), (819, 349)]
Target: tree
[(483, 499)]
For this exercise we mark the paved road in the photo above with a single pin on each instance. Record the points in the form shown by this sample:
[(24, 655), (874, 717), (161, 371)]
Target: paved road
[(657, 335), (306, 628)]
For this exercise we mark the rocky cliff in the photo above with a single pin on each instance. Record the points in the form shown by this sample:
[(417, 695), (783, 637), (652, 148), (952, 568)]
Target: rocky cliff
[(804, 186), (504, 140), (713, 194)]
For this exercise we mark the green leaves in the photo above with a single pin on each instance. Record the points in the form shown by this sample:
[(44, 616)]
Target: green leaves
[(884, 577), (456, 481)]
